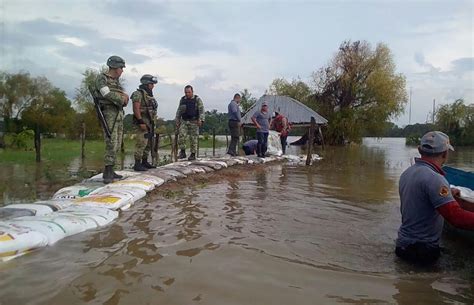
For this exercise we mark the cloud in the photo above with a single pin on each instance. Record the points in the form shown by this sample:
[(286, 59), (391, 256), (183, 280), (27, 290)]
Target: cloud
[(461, 65)]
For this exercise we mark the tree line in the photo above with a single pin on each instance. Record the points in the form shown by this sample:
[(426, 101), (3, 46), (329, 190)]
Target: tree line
[(358, 91)]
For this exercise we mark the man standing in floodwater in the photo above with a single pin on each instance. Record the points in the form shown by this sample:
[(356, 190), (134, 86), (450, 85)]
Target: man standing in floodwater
[(112, 99), (144, 116), (426, 199), (234, 124), (261, 120), (189, 117)]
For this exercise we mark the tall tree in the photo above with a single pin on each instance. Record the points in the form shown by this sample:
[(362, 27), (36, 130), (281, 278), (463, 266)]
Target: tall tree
[(85, 107), (247, 100), (296, 89), (457, 120), (359, 90)]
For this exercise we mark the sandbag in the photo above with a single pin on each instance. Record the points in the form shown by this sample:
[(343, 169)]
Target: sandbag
[(182, 169), (274, 144), (101, 216), (157, 173), (42, 224), (466, 193), (120, 190), (99, 178), (213, 165), (36, 209), (108, 200), (75, 191), (172, 172), (56, 204), (149, 178), (199, 169), (133, 183), (16, 240), (7, 213)]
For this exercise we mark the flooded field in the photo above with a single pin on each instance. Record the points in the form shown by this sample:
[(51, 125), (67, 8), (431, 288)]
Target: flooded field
[(273, 234)]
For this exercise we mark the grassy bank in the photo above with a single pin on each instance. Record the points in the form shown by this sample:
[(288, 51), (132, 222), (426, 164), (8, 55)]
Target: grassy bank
[(63, 150)]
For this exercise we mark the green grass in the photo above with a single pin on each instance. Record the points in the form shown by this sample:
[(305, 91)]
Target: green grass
[(62, 150)]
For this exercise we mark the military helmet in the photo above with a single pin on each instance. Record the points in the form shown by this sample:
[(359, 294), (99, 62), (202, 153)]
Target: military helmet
[(115, 62), (148, 79)]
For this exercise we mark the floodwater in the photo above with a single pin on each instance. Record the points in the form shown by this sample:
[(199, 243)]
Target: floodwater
[(273, 234)]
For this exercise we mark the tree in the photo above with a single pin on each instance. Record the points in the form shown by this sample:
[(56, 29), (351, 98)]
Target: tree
[(296, 89), (358, 91), (51, 112), (246, 101), (85, 106), (457, 120), (17, 92)]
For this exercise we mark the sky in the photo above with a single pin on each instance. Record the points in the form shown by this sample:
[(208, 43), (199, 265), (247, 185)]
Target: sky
[(222, 47)]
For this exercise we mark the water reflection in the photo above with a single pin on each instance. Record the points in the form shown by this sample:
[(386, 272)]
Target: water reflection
[(276, 234)]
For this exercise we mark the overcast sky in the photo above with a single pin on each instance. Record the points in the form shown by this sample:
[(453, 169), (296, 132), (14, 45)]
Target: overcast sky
[(222, 47)]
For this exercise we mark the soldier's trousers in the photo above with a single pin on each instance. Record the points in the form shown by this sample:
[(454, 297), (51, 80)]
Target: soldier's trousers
[(142, 144), (114, 119), (188, 129)]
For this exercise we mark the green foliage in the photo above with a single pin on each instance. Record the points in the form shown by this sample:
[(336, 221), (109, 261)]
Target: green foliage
[(358, 91), (21, 140), (296, 89), (457, 120), (215, 121), (412, 140), (247, 100)]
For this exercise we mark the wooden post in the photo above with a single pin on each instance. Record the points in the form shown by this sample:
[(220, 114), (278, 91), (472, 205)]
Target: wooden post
[(38, 143), (321, 135), (83, 140), (213, 142), (172, 144), (312, 128), (226, 138)]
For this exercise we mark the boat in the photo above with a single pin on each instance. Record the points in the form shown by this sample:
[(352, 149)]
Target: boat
[(458, 177)]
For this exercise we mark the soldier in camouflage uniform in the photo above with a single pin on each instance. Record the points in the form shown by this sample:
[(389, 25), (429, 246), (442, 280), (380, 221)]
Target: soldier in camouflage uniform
[(144, 112), (112, 99), (189, 117)]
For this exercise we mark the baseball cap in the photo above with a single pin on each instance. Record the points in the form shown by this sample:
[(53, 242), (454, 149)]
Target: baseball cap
[(435, 142), (264, 104)]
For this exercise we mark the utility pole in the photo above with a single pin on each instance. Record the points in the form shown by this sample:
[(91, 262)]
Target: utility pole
[(434, 107), (409, 111)]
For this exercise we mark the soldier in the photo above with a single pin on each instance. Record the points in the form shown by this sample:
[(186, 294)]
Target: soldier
[(112, 99), (189, 117), (144, 117)]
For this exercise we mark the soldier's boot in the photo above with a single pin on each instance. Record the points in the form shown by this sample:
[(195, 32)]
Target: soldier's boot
[(192, 157), (146, 164), (108, 175), (138, 167), (182, 154), (116, 176)]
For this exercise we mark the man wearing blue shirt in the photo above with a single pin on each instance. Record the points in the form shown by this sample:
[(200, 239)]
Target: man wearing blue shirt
[(426, 200), (261, 120), (234, 124)]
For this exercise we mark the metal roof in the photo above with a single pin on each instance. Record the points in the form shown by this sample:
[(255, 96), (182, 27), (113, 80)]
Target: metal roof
[(295, 111)]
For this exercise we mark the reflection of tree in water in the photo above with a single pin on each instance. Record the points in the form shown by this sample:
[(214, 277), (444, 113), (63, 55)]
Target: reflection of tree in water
[(190, 217), (261, 191), (233, 209), (356, 171)]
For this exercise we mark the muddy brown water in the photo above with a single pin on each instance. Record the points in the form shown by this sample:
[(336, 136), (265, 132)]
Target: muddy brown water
[(273, 234)]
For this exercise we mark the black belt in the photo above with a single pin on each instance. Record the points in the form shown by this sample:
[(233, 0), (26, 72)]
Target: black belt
[(234, 120)]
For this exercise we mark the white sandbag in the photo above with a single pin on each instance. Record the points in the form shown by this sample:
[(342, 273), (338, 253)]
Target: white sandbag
[(196, 169), (113, 202), (120, 190), (6, 213), (125, 174), (75, 191), (172, 172), (101, 216), (36, 209), (16, 240), (466, 193), (42, 224), (157, 181), (185, 170), (274, 144), (133, 183), (56, 204)]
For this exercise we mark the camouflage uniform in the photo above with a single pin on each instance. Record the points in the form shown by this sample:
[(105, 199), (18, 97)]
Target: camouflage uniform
[(189, 128), (147, 103), (111, 102)]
